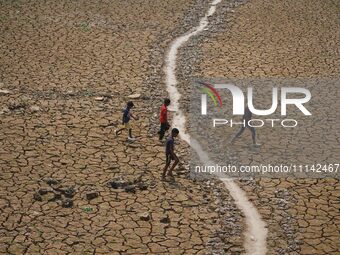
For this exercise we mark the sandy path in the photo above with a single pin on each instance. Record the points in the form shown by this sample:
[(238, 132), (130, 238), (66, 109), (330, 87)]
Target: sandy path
[(255, 226)]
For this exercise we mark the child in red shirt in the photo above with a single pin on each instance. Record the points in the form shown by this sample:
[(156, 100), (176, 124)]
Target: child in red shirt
[(164, 118)]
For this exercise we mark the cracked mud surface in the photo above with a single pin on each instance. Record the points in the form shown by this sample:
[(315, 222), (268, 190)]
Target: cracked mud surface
[(66, 71)]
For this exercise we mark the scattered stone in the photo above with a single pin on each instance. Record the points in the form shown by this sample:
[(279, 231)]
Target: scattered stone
[(118, 184), (37, 197), (145, 216), (99, 98), (69, 192), (104, 94), (130, 188), (17, 106), (51, 181), (165, 219), (4, 92), (91, 195), (142, 186), (67, 203), (70, 93), (134, 96), (42, 192), (35, 108)]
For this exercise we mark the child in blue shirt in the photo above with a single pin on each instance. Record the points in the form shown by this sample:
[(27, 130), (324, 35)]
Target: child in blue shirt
[(127, 115), (170, 154)]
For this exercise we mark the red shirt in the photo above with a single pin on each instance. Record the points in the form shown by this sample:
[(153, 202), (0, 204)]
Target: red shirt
[(164, 114)]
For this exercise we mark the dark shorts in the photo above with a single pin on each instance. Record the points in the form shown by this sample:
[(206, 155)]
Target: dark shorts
[(165, 126)]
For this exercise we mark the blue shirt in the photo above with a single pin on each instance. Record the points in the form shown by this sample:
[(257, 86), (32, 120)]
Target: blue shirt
[(126, 115), (169, 145)]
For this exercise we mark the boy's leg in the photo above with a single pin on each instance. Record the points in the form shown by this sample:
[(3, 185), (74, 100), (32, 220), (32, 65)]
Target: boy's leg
[(253, 136), (162, 131), (173, 166), (128, 127), (130, 138), (167, 164), (118, 131), (238, 134)]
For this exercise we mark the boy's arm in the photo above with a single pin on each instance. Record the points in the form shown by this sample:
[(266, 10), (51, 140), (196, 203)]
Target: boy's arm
[(172, 150)]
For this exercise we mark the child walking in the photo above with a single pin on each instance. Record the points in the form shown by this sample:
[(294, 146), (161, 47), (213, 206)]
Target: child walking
[(170, 154), (246, 117), (164, 119), (127, 115)]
